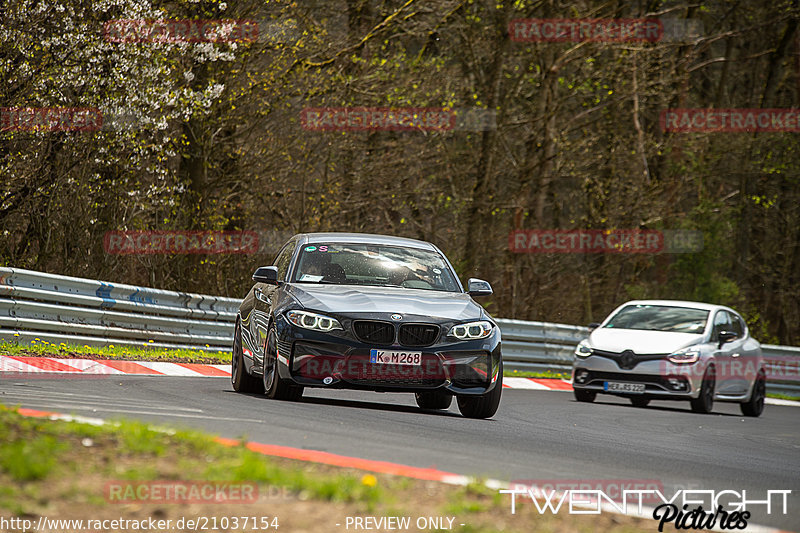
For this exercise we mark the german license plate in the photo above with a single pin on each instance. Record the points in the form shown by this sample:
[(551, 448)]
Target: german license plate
[(618, 386), (395, 357)]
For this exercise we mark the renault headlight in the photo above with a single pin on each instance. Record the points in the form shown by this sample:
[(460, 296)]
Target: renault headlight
[(684, 356), (583, 349), (307, 320), (471, 330)]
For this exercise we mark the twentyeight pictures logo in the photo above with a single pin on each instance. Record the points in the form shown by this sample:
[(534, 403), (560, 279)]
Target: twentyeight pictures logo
[(613, 488), (683, 509)]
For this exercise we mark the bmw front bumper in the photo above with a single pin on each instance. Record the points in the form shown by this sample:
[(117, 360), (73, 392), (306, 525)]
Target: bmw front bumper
[(340, 360)]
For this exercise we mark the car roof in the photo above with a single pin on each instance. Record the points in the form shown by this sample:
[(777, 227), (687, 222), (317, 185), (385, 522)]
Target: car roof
[(679, 303), (362, 238)]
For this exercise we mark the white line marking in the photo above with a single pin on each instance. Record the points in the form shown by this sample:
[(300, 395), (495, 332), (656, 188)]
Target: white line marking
[(169, 369), (778, 401), (89, 366), (47, 406), (523, 383), (105, 402), (12, 365)]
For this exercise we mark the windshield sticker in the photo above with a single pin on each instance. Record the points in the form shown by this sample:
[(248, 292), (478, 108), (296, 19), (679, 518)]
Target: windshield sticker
[(310, 248), (310, 277)]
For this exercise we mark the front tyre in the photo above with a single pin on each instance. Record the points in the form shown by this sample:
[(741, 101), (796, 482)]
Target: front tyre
[(483, 406), (755, 405), (434, 399), (240, 379), (640, 401), (275, 387), (586, 396), (704, 403)]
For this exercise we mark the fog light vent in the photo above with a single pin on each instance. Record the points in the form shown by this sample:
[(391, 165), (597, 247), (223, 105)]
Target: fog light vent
[(677, 384)]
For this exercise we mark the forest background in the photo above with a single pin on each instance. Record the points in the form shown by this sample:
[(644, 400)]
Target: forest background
[(570, 138)]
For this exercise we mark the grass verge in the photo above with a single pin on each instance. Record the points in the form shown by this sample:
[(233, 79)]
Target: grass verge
[(75, 471), (548, 374)]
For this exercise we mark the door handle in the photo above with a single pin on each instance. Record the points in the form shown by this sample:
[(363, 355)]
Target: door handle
[(735, 355)]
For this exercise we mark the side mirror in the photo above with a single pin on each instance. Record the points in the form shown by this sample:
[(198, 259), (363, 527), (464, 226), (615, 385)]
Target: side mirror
[(478, 287), (727, 336), (594, 325), (266, 275)]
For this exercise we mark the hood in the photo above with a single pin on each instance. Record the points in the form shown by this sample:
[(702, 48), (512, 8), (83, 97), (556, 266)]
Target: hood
[(364, 299), (641, 341)]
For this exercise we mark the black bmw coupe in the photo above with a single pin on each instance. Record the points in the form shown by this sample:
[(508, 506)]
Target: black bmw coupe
[(372, 312)]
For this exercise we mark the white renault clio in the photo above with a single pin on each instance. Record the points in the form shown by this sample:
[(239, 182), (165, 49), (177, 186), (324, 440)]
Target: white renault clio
[(672, 350)]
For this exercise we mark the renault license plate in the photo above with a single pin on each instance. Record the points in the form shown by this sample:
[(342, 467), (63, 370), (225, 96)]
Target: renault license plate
[(618, 386)]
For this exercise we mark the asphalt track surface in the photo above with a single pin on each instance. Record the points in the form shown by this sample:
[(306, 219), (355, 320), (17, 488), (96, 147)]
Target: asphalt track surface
[(536, 435)]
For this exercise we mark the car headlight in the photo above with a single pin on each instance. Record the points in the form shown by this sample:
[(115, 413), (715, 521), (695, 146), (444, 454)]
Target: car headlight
[(307, 320), (471, 330), (685, 355), (583, 349)]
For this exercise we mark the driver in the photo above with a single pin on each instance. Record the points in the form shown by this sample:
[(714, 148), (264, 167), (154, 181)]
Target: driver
[(399, 274), (314, 264)]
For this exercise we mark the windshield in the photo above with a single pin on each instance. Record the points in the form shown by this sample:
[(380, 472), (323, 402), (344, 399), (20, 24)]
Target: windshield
[(659, 318), (366, 264)]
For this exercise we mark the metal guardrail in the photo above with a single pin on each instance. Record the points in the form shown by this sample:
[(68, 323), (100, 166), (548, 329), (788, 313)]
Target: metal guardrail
[(539, 346), (84, 311), (782, 366)]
